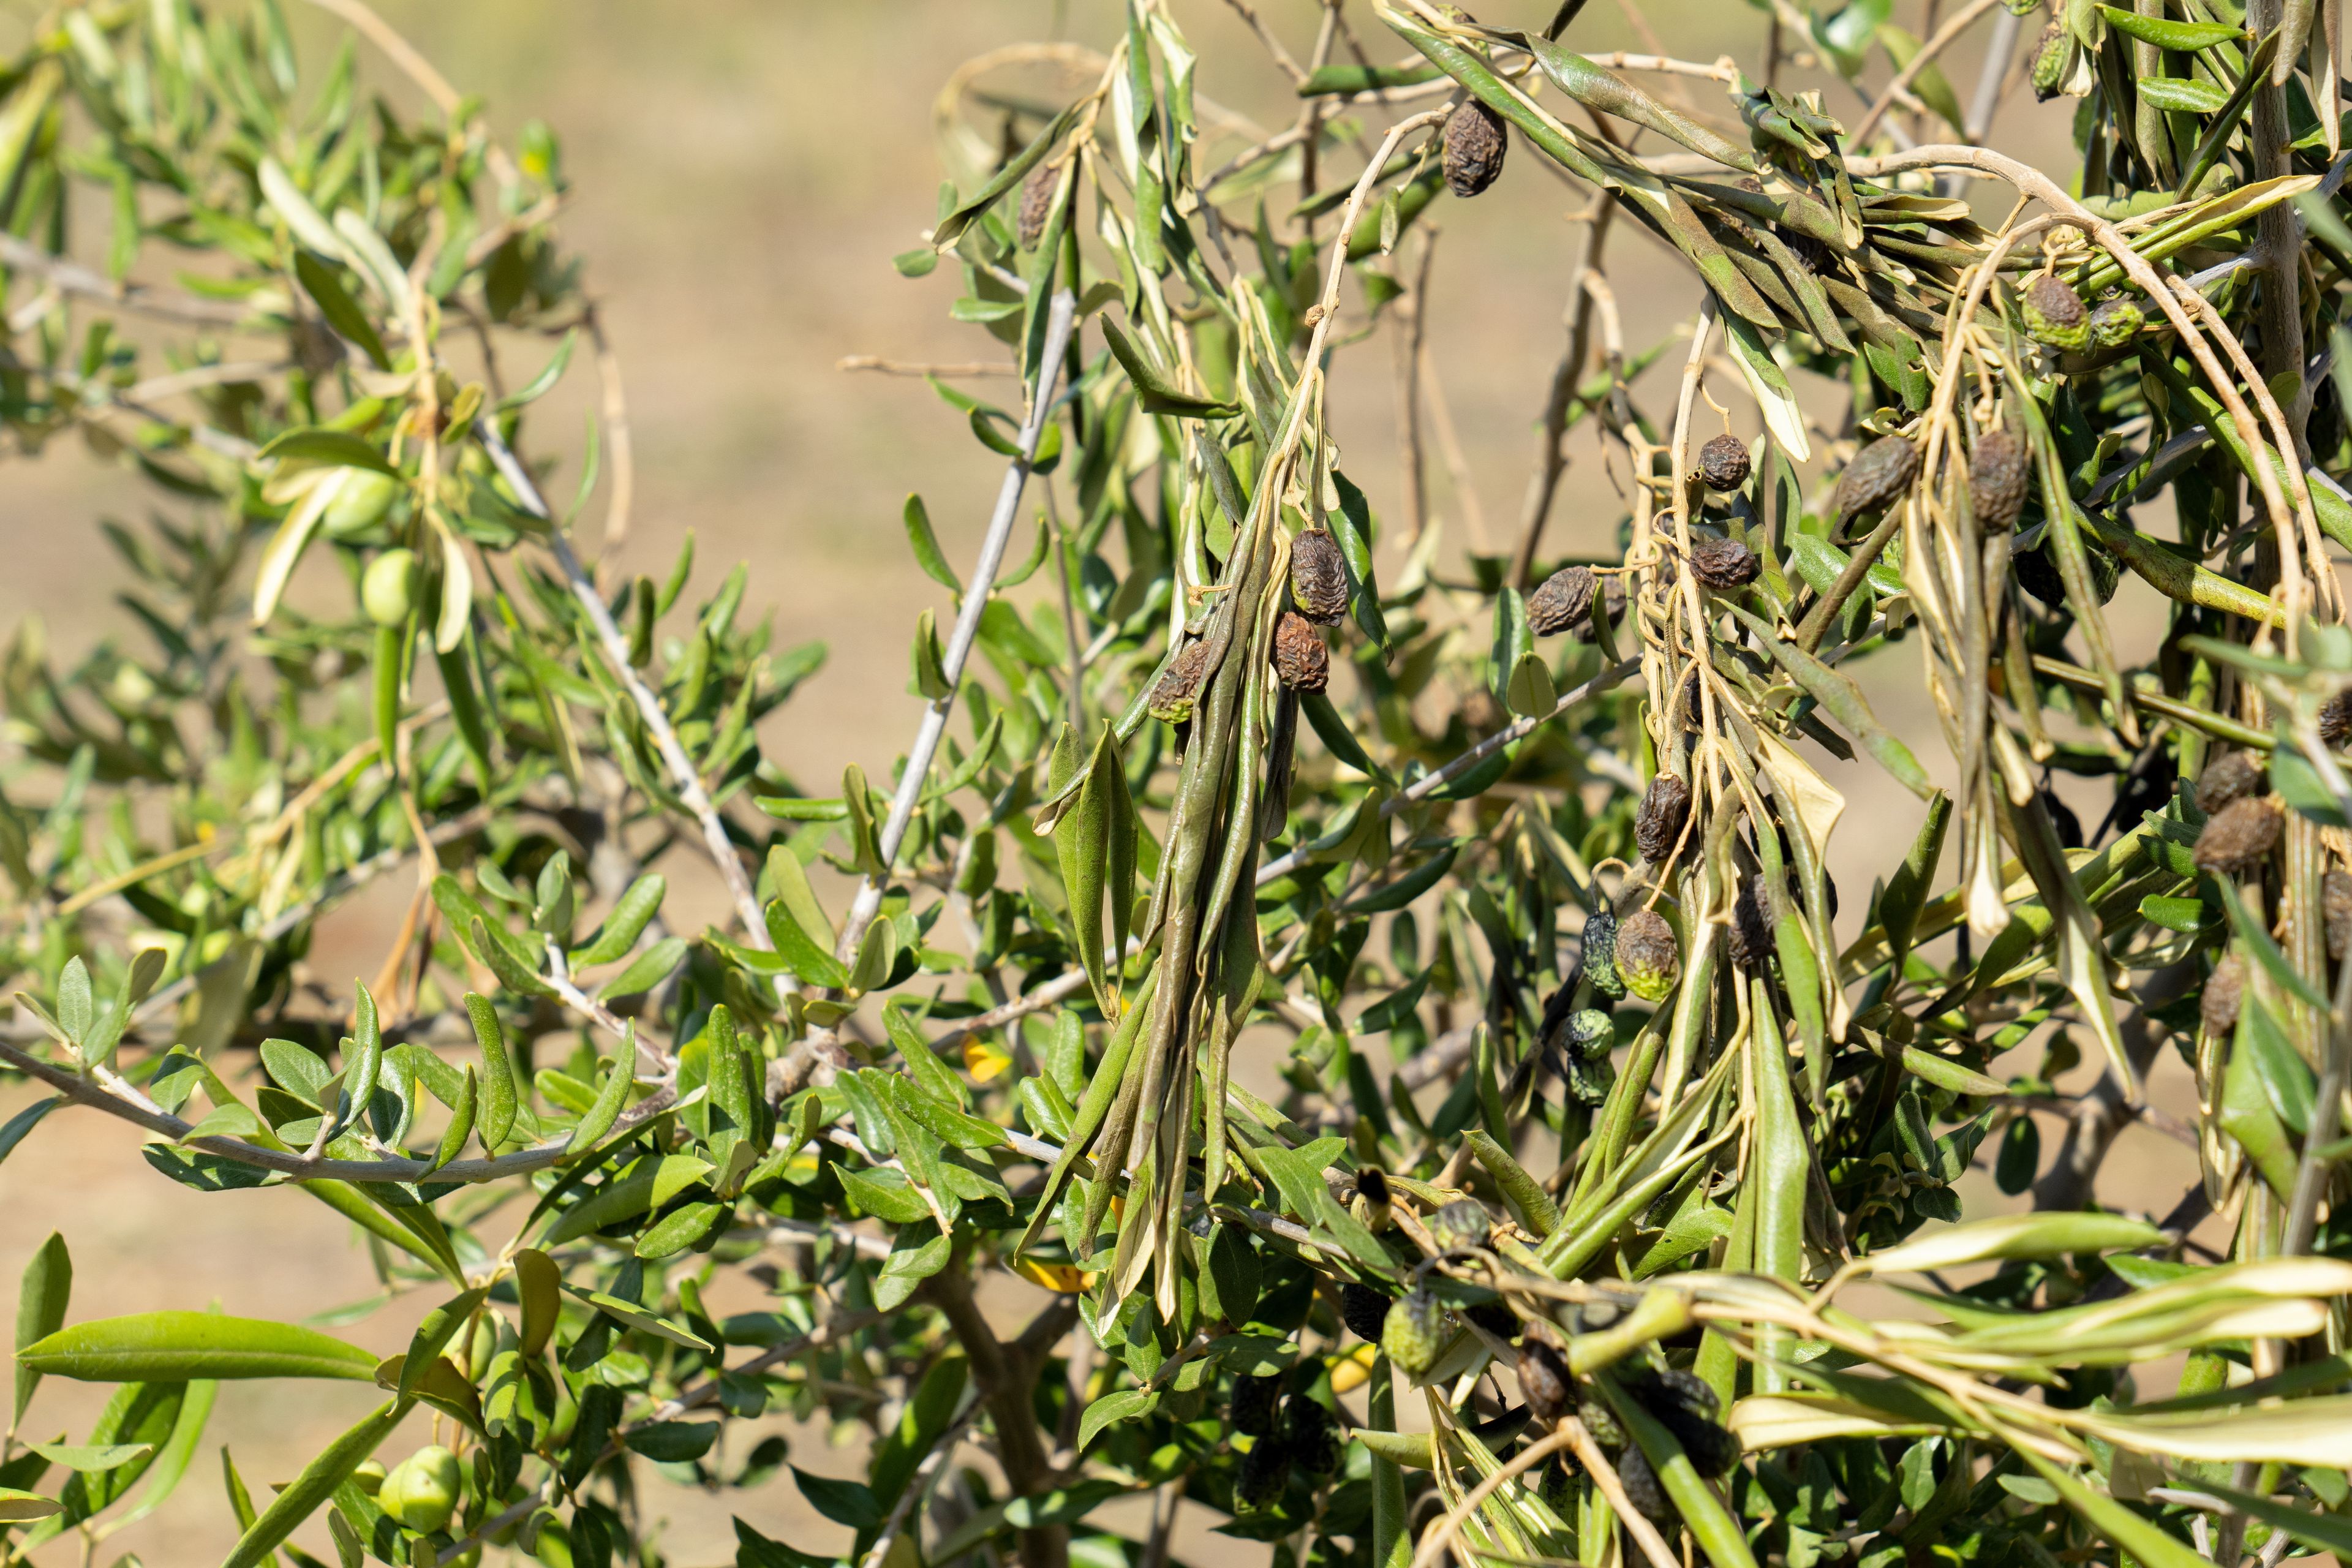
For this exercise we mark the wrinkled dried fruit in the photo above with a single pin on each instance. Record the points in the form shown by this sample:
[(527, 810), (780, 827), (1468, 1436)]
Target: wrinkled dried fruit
[(2335, 900), (1642, 1488), (1686, 1405), (1999, 473), (1299, 657), (1463, 1226), (2116, 320), (1724, 463), (1363, 1309), (2233, 776), (1648, 955), (1178, 686), (2054, 315), (1312, 1437), (1560, 601), (1658, 824), (1723, 562), (1037, 204), (1878, 474), (2335, 719), (2235, 838), (1476, 140), (1264, 1476), (1750, 938), (1414, 1332), (2054, 61), (1591, 1032), (2038, 575), (1318, 578), (1254, 1406), (2225, 993), (1601, 953), (1544, 1379), (1590, 1077)]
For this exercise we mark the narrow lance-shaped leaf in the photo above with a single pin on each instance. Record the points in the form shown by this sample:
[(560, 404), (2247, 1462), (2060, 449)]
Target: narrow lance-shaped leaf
[(178, 1346), (318, 1482), (41, 1298), (1837, 692)]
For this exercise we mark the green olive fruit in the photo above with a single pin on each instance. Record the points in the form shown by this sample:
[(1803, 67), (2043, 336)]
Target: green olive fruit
[(362, 497), (369, 1477), (388, 591), (422, 1490)]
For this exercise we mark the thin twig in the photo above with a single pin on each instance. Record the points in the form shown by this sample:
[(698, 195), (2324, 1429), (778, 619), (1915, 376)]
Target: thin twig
[(1567, 376), (1958, 24), (916, 367), (615, 642), (1994, 74), (621, 508), (917, 1488), (1408, 357), (1604, 1476), (1061, 315), (313, 1167), (71, 277), (1440, 1536)]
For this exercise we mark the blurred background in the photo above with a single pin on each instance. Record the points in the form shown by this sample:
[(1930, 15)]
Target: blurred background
[(742, 174)]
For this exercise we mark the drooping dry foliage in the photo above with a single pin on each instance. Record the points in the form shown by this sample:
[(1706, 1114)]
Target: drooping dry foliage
[(1592, 1116)]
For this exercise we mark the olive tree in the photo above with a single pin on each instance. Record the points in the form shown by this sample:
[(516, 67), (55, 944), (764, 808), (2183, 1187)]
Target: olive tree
[(1593, 1122)]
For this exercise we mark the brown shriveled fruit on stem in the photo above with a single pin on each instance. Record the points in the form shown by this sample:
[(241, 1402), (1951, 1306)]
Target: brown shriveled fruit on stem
[(2335, 719), (2335, 901), (1724, 463), (1749, 941), (1658, 824), (2235, 838), (2231, 776), (1878, 474), (2225, 993), (1476, 140), (1171, 698), (1318, 578), (1560, 601), (1999, 473), (1545, 1381), (1723, 563), (1299, 657), (1037, 204)]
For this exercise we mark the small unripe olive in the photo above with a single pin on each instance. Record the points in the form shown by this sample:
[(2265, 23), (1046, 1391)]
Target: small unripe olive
[(422, 1490), (388, 591), (369, 1477), (362, 497)]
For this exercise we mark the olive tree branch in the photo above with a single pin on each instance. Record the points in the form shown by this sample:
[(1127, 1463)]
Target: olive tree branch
[(1958, 24), (311, 1167), (1061, 315), (615, 642)]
